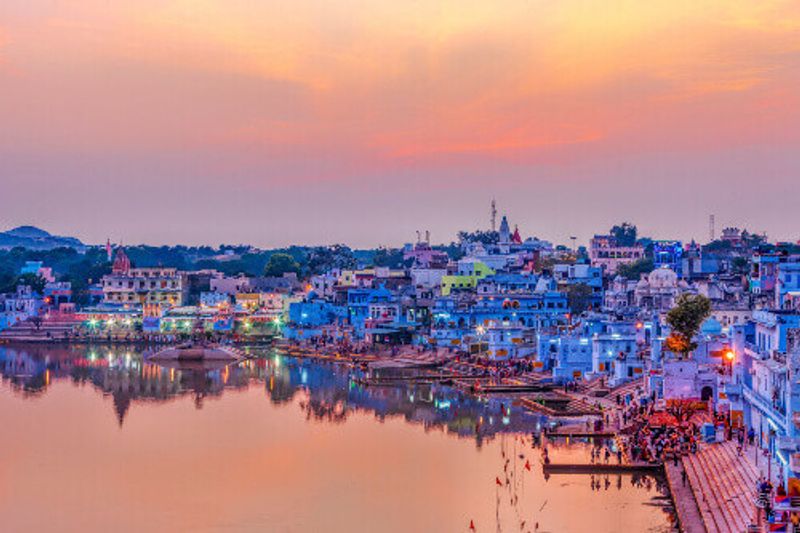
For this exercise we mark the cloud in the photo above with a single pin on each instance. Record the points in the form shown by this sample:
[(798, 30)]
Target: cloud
[(367, 98)]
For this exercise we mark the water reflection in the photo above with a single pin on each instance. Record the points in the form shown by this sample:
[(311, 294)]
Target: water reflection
[(274, 460), (328, 392)]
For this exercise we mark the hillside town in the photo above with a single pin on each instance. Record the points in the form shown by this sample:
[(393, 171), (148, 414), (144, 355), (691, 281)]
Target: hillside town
[(510, 312)]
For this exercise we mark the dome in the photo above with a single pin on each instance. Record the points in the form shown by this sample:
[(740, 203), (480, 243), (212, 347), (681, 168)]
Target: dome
[(663, 277)]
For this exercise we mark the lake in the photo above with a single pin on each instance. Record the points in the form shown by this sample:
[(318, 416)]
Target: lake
[(97, 439)]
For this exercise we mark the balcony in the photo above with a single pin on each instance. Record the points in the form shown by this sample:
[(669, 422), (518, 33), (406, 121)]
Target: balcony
[(778, 416), (733, 389)]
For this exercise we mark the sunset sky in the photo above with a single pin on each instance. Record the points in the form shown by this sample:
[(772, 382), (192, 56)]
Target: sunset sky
[(352, 121)]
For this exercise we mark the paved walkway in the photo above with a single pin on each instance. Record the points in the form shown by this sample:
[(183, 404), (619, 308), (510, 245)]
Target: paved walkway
[(724, 487), (689, 516)]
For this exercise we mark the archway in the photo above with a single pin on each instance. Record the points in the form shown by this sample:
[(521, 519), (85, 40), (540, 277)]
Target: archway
[(706, 393)]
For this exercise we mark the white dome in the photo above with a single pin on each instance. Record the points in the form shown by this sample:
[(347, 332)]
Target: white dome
[(663, 277)]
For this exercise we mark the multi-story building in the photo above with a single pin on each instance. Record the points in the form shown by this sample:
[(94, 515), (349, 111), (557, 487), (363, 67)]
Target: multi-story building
[(469, 272), (668, 254), (605, 252), (787, 285), (142, 286)]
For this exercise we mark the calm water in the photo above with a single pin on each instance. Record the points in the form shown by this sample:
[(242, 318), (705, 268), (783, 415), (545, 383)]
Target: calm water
[(98, 440)]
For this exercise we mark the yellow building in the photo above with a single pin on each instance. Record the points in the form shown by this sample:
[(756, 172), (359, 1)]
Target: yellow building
[(470, 271)]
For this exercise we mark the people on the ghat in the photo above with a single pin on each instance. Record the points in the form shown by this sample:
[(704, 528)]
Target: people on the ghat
[(646, 443)]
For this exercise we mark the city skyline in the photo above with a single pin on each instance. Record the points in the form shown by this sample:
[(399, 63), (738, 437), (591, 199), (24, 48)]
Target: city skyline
[(416, 234), (209, 122)]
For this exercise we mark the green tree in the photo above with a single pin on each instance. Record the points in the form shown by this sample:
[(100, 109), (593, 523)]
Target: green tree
[(34, 281), (579, 297), (321, 259), (718, 246), (389, 257), (281, 263), (624, 233), (483, 237), (635, 270), (685, 319), (740, 265)]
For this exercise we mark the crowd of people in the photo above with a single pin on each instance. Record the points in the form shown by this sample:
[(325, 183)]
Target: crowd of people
[(656, 438)]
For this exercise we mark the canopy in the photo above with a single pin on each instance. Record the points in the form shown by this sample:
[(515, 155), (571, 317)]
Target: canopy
[(662, 418)]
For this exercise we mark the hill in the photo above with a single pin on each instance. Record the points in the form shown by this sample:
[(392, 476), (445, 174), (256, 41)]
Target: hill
[(37, 239)]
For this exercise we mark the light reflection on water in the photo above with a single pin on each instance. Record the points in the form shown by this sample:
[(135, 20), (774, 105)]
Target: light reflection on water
[(309, 458)]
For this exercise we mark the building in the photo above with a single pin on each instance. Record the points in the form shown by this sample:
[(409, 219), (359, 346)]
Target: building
[(668, 254), (787, 286), (658, 290), (606, 253), (142, 286), (469, 272), (37, 268), (422, 255)]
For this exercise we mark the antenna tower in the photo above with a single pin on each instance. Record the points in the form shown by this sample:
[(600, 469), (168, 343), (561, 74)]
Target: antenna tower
[(711, 232)]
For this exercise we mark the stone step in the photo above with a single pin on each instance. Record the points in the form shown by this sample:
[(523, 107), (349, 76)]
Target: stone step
[(734, 485), (694, 483), (712, 489), (730, 487), (735, 480)]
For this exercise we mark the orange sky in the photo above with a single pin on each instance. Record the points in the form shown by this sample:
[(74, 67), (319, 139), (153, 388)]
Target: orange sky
[(313, 122)]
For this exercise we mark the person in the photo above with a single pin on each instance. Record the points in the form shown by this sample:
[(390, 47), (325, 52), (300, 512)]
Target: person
[(683, 476), (607, 455)]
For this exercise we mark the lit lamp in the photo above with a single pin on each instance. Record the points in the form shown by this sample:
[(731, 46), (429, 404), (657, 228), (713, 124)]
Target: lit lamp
[(729, 357)]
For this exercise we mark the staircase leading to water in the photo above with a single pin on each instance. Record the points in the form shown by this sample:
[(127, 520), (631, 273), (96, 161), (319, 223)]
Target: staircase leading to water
[(724, 486), (53, 328)]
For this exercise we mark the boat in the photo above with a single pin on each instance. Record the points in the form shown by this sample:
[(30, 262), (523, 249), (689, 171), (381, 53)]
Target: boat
[(197, 352)]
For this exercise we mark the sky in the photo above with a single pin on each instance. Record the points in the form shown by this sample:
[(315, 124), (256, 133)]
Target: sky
[(362, 121)]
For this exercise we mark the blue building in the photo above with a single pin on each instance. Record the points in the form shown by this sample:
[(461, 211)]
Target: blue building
[(764, 394), (669, 254), (787, 286), (308, 318)]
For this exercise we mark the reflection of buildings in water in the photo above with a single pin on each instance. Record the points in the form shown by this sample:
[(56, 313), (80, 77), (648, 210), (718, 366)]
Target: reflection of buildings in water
[(24, 373), (329, 393), (123, 376)]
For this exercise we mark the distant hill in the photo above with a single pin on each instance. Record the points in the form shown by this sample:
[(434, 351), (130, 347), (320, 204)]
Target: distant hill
[(36, 239)]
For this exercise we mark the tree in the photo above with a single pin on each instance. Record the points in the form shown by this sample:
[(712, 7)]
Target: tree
[(685, 319), (718, 246), (321, 259), (740, 265), (34, 281), (389, 257), (279, 264), (579, 297), (635, 270), (483, 237), (624, 233)]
